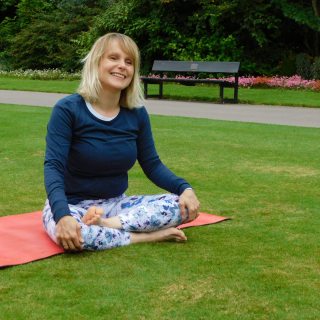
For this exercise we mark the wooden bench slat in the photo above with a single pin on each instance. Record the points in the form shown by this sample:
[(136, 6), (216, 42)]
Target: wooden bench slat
[(159, 80), (195, 66), (231, 68)]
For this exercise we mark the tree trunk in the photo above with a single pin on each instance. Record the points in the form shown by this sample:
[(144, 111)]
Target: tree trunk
[(315, 6), (316, 9)]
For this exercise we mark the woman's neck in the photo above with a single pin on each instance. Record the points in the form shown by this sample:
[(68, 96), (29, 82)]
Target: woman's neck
[(108, 104)]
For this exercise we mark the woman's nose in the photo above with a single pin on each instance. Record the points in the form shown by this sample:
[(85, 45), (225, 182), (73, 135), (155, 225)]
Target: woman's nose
[(122, 63)]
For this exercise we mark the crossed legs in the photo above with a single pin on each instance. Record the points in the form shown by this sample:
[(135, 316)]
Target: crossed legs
[(123, 220), (94, 217)]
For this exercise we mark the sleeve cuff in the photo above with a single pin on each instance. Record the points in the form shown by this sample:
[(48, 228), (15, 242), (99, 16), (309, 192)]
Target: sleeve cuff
[(184, 187)]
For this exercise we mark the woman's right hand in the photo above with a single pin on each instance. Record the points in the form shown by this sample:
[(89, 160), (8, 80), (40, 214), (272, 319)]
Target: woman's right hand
[(68, 233)]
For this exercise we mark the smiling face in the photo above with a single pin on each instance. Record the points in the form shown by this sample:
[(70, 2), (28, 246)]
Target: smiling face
[(116, 68)]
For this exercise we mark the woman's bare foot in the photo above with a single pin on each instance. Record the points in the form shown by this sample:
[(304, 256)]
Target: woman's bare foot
[(161, 235), (93, 216)]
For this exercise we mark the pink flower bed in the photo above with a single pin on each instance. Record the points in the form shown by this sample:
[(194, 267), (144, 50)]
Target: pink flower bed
[(293, 82)]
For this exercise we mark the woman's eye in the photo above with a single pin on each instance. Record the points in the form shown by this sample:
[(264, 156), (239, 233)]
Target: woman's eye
[(129, 62)]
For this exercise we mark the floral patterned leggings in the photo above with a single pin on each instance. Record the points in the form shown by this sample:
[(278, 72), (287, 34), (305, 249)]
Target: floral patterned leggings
[(137, 214)]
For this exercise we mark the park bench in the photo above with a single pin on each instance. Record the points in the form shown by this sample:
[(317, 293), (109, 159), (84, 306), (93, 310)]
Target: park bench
[(192, 68)]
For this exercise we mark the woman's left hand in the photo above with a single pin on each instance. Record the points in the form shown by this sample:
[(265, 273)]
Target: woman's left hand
[(189, 201)]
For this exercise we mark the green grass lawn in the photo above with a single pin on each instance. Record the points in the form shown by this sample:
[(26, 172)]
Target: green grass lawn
[(60, 86), (285, 97), (268, 96), (262, 264)]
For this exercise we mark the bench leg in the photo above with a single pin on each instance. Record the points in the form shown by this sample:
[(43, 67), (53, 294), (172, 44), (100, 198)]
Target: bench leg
[(236, 87), (145, 89), (160, 90), (221, 93), (235, 96)]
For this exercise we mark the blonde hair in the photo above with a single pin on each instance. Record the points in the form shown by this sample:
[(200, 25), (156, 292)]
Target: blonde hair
[(90, 85)]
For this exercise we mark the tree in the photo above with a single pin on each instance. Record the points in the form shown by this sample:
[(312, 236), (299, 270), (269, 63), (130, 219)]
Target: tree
[(305, 14), (42, 33), (265, 36), (194, 30), (7, 9)]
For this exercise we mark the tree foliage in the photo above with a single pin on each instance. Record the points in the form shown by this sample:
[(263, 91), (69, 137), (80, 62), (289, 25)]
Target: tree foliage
[(305, 14), (265, 36), (41, 34), (191, 30)]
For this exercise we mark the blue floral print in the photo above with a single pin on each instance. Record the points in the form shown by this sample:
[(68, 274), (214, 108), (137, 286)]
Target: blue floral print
[(144, 213)]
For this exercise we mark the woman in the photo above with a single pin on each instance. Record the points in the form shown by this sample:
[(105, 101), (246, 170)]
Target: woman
[(94, 137)]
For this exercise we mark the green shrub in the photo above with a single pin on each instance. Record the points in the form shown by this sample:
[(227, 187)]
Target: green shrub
[(47, 74), (287, 66), (315, 68), (303, 66)]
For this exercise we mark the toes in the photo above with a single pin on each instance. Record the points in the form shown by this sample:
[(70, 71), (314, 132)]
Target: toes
[(89, 215), (99, 211), (181, 236), (93, 216), (91, 211)]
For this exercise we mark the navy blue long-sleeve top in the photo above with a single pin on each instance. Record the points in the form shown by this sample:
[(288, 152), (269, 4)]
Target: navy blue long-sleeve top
[(89, 158)]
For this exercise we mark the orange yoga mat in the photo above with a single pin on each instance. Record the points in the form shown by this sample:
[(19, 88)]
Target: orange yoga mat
[(23, 239), (203, 219)]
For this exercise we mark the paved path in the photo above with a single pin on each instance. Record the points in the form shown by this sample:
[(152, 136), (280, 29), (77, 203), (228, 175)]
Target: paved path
[(292, 116)]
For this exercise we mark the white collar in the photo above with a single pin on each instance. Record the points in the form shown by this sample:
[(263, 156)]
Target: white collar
[(98, 115)]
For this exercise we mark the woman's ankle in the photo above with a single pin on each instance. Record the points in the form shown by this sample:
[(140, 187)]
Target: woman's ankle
[(113, 223), (157, 236)]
